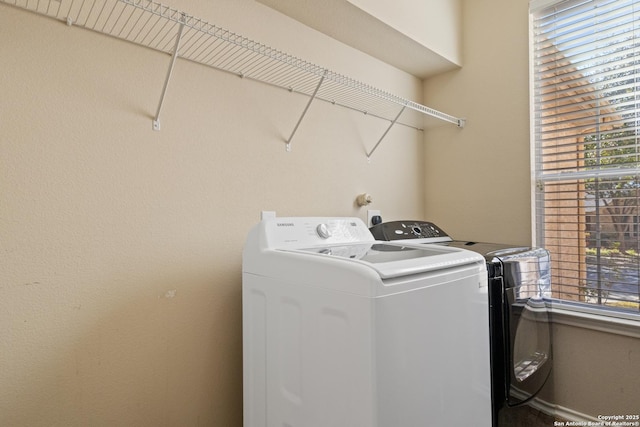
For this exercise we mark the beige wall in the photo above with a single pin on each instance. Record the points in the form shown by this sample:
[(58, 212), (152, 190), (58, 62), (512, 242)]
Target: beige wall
[(595, 372), (433, 23), (120, 277), (120, 274), (480, 174), (478, 188)]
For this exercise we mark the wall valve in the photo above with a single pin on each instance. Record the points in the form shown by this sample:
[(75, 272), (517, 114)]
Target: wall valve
[(364, 199)]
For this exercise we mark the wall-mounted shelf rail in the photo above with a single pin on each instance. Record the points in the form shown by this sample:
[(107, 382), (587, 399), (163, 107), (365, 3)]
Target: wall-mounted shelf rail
[(168, 30)]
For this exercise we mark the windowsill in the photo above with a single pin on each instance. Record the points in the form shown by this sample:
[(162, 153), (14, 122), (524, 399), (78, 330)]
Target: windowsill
[(595, 318)]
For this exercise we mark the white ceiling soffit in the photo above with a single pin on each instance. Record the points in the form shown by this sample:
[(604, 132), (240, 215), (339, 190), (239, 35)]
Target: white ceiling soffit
[(351, 25)]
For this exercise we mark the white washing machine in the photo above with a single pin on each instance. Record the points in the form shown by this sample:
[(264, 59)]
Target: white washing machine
[(340, 330)]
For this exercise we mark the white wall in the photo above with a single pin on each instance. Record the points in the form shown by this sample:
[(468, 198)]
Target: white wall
[(120, 277)]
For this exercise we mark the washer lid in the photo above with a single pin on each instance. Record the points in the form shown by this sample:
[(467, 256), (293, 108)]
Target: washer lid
[(393, 260)]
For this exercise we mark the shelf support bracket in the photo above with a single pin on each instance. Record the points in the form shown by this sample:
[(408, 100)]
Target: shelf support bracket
[(385, 133), (313, 96), (174, 56)]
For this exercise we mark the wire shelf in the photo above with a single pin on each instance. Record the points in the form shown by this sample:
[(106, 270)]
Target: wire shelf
[(162, 28)]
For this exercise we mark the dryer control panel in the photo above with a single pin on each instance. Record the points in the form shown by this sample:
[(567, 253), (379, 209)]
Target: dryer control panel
[(405, 230)]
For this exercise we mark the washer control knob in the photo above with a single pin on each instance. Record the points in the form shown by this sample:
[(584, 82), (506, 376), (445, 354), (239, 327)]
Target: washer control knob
[(323, 231)]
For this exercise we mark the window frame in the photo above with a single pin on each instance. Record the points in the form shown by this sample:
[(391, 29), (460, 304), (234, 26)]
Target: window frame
[(584, 310)]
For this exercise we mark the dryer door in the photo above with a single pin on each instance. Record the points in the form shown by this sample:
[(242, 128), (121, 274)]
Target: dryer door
[(529, 350), (527, 280)]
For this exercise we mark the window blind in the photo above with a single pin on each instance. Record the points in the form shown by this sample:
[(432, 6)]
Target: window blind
[(586, 121)]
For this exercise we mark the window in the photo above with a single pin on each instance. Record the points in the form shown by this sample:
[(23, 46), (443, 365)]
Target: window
[(586, 126)]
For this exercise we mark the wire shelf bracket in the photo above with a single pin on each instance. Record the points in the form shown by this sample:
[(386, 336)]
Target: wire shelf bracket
[(385, 133), (174, 56), (306, 108), (162, 28)]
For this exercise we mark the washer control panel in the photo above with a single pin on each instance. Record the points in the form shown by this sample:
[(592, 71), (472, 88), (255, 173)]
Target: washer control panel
[(405, 230), (291, 232)]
